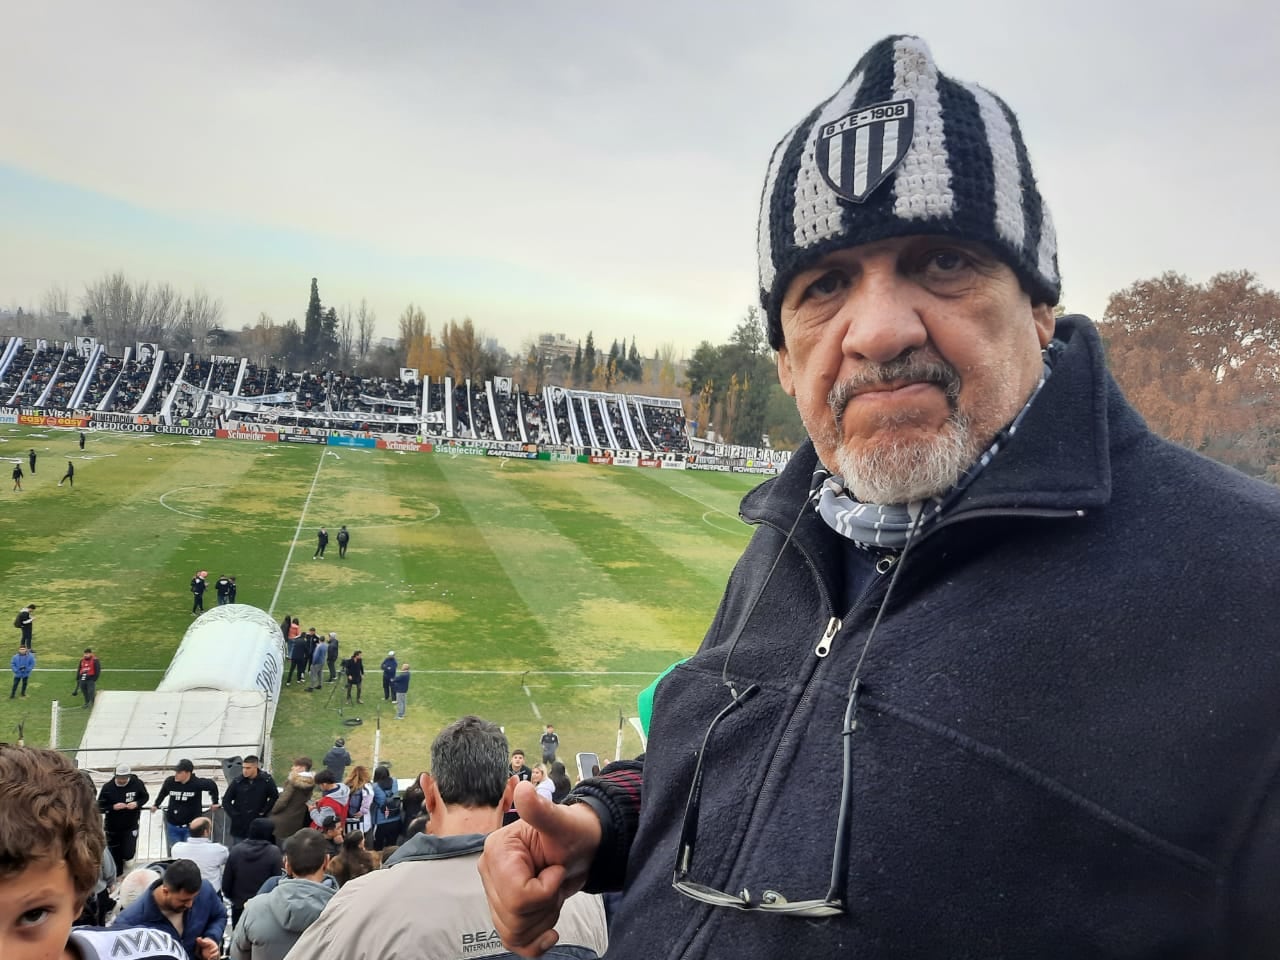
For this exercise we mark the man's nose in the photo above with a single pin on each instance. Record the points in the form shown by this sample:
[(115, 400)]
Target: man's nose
[(882, 318)]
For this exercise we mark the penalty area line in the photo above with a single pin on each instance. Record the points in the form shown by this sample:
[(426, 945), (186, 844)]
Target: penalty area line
[(296, 534)]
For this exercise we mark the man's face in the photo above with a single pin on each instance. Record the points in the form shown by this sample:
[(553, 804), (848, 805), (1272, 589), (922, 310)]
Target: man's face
[(22, 650), (906, 357), (250, 770), (37, 908), (517, 761), (174, 901), (182, 776)]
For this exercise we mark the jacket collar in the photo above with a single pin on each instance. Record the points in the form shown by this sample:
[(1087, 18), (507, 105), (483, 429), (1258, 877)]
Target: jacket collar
[(427, 847)]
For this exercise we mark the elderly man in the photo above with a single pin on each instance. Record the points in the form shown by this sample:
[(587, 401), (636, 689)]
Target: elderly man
[(429, 902), (1006, 662)]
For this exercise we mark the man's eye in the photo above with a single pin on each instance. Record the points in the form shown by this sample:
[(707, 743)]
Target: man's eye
[(946, 261), (830, 282)]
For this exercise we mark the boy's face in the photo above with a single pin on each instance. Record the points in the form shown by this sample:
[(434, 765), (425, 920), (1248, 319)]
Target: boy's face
[(37, 908)]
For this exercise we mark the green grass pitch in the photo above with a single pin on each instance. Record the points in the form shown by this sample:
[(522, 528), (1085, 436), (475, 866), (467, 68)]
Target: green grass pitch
[(473, 569)]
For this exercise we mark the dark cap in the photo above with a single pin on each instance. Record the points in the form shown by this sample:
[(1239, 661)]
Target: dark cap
[(184, 766)]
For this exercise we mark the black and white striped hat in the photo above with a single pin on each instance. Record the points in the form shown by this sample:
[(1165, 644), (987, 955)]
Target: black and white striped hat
[(902, 149)]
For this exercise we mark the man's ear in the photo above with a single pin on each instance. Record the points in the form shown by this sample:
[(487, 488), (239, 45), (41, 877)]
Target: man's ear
[(784, 371), (1045, 322), (430, 794)]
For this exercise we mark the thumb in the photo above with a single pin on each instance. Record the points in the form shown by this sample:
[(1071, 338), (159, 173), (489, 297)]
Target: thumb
[(535, 810)]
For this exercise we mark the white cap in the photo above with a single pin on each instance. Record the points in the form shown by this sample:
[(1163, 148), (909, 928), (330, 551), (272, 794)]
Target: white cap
[(123, 770)]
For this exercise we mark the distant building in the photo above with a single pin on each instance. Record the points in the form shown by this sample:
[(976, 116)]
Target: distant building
[(552, 346)]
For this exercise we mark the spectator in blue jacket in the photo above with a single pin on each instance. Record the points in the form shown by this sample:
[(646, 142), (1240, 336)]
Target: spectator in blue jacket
[(319, 655), (181, 889), (21, 663), (389, 667), (387, 809), (402, 690)]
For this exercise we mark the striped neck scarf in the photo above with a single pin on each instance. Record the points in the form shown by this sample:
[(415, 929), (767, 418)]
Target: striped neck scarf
[(884, 528)]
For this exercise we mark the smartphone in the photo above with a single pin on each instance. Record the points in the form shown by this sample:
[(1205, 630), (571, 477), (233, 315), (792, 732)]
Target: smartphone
[(587, 761)]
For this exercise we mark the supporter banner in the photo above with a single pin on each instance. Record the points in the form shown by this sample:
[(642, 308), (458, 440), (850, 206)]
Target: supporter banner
[(46, 420), (120, 427), (513, 454), (244, 433), (182, 431), (340, 441), (502, 385), (435, 416), (412, 445), (408, 374), (674, 465), (387, 402), (86, 345), (303, 438), (625, 461), (145, 351)]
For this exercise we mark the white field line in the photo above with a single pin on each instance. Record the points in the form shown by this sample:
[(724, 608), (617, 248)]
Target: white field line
[(296, 533), (710, 507)]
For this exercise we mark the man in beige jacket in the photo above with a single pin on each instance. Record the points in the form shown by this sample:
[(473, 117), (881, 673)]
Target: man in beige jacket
[(428, 897)]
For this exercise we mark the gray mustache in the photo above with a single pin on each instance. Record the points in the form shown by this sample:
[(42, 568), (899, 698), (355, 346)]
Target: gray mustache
[(907, 369)]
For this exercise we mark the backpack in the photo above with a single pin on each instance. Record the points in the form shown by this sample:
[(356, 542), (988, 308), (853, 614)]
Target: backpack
[(393, 806), (17, 621)]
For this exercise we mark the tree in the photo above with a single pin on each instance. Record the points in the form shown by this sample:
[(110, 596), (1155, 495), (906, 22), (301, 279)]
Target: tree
[(346, 339), (312, 329), (589, 360), (366, 321), (576, 369), (1201, 362)]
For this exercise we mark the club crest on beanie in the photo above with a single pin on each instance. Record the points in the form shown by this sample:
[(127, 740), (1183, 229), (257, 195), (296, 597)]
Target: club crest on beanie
[(902, 149)]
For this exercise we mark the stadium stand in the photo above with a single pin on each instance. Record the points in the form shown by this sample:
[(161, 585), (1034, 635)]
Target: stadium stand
[(172, 388)]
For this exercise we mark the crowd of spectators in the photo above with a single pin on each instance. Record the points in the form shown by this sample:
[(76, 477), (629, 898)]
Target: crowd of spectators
[(666, 426), (382, 404), (104, 375), (39, 370)]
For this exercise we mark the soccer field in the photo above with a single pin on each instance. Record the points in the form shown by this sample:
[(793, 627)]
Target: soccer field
[(526, 592)]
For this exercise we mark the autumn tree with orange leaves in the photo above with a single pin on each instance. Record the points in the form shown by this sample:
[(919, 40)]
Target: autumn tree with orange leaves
[(1201, 362)]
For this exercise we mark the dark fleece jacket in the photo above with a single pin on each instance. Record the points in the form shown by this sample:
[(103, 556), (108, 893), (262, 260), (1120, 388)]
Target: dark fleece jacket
[(1068, 738), (250, 863)]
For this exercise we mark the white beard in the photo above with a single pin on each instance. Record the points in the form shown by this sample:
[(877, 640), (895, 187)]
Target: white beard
[(908, 470)]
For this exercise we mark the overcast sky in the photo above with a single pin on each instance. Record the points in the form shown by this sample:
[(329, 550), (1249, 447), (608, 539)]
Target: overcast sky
[(575, 166)]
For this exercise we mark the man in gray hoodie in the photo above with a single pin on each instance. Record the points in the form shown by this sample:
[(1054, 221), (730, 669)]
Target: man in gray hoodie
[(272, 922)]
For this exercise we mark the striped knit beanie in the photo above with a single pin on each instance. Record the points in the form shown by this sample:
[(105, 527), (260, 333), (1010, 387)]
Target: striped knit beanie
[(901, 149)]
